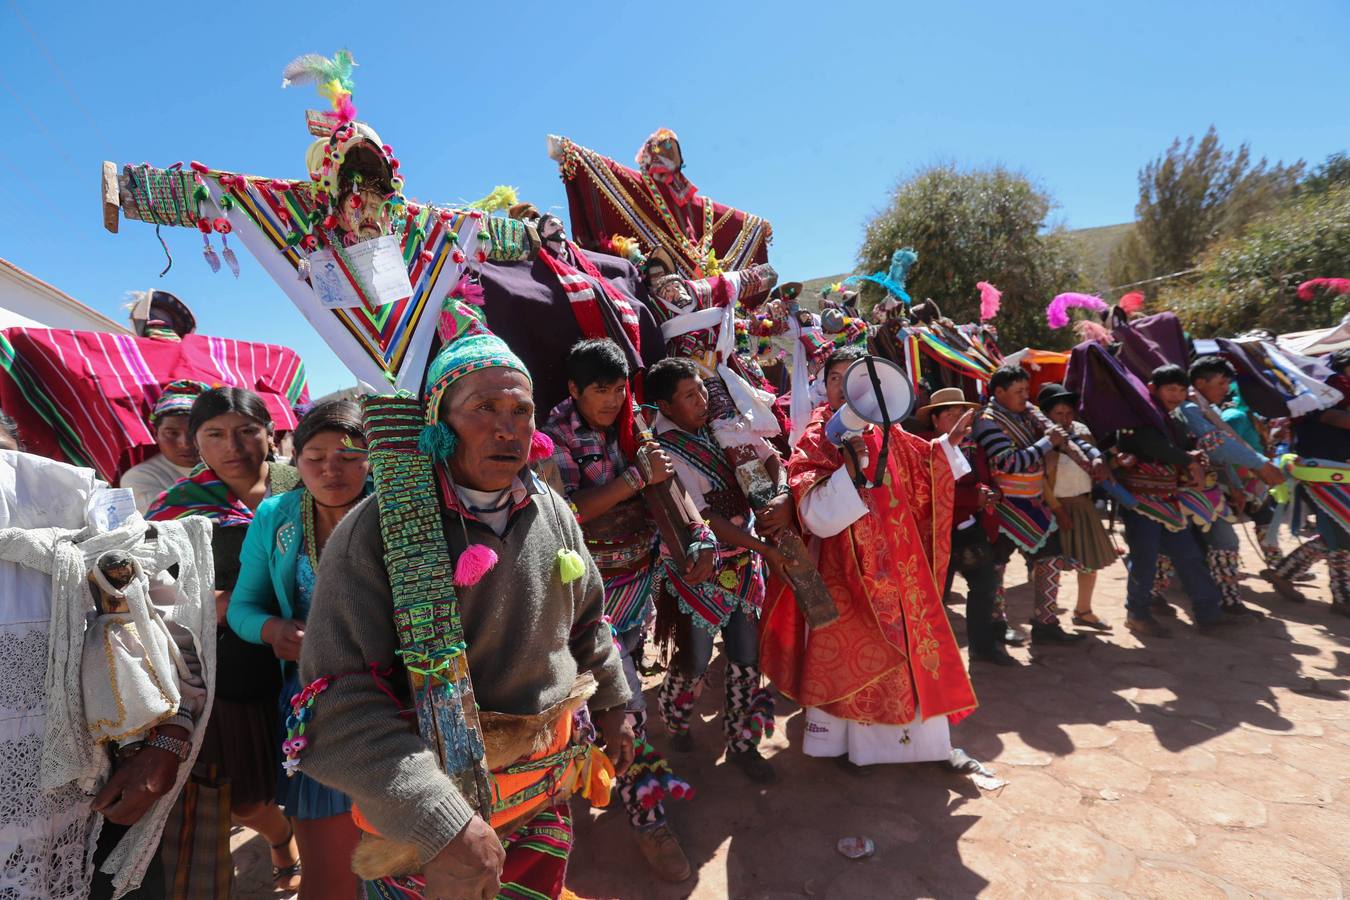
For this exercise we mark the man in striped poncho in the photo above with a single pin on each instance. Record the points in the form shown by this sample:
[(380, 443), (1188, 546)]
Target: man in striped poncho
[(1016, 448)]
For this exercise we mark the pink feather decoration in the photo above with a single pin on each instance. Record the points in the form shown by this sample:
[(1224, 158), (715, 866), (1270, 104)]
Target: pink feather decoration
[(1057, 313), (990, 298), (1132, 302), (1090, 331), (1308, 289), (541, 446), (475, 562)]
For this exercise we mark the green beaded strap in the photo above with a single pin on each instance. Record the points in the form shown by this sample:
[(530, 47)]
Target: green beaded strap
[(426, 607)]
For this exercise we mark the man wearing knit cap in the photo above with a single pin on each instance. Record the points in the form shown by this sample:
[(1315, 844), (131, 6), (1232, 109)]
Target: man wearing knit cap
[(533, 629), (177, 455)]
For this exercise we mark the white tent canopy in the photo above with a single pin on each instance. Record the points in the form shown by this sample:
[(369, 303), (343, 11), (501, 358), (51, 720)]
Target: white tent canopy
[(1318, 342)]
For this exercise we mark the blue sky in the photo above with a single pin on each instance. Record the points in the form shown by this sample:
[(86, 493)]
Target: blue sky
[(805, 113)]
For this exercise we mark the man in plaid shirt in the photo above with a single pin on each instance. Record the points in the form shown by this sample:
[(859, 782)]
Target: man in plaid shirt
[(602, 485)]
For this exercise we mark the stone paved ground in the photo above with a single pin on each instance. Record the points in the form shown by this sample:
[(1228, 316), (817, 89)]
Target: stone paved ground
[(1191, 767)]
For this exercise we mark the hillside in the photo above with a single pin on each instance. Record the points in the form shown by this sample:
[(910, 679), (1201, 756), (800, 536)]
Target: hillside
[(1092, 247)]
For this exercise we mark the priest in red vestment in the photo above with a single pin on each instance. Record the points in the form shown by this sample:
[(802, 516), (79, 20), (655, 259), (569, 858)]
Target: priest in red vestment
[(880, 684)]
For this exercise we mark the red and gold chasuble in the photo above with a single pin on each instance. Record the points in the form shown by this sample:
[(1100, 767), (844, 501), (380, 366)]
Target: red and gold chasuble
[(892, 649)]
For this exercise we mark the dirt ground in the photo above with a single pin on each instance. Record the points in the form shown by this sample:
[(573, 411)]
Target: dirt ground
[(1200, 766)]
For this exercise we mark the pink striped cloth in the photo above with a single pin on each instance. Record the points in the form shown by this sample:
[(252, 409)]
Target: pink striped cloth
[(85, 397)]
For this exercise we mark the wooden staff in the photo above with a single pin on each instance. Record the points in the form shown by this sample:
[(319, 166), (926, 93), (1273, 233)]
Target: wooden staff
[(812, 594), (669, 503)]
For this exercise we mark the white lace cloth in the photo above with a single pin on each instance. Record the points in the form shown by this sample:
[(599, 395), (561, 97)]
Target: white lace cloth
[(49, 764)]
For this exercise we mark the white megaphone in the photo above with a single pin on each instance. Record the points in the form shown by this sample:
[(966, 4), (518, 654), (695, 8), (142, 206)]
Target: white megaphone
[(869, 384)]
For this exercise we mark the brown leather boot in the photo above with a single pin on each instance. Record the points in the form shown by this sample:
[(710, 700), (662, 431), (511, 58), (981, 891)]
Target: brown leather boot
[(662, 850)]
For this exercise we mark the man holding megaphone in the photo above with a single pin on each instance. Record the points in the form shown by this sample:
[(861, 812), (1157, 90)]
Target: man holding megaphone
[(882, 683)]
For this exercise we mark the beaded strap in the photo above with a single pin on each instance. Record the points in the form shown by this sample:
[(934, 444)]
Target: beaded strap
[(426, 607)]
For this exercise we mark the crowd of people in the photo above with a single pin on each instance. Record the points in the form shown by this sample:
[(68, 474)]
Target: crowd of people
[(892, 514), (398, 640)]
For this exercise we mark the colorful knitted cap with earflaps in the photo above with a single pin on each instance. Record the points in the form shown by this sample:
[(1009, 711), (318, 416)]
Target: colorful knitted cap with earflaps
[(469, 345)]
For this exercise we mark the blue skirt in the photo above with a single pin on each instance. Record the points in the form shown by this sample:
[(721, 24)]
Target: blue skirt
[(300, 796)]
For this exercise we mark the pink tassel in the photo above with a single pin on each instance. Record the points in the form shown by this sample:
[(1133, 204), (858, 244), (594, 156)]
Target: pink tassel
[(990, 298), (541, 446), (1057, 313), (1132, 302), (475, 562), (1308, 289)]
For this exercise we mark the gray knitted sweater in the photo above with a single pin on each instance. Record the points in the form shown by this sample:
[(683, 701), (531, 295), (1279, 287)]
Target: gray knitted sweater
[(528, 636)]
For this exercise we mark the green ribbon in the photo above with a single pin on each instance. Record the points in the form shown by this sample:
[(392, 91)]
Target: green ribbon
[(431, 666)]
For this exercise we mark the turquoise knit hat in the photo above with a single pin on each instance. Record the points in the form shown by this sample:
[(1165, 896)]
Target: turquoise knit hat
[(469, 346)]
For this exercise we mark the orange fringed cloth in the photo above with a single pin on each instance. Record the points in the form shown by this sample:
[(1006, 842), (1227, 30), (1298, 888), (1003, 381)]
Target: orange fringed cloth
[(892, 650)]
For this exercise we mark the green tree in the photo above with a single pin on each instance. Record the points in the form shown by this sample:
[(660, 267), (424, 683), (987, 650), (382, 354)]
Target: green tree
[(972, 225), (1249, 280), (1191, 196), (1335, 171)]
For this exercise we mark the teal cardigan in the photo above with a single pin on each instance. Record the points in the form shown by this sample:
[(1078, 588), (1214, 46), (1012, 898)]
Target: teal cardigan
[(266, 585)]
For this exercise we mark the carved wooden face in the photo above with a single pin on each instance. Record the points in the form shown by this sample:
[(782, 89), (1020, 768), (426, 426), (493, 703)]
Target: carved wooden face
[(362, 212), (552, 234), (671, 289)]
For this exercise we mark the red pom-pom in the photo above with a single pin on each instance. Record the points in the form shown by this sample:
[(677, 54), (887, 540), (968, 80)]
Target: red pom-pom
[(541, 446), (204, 225), (309, 242), (427, 256), (330, 221), (457, 256), (475, 562), (1132, 302), (222, 225), (413, 209), (354, 201)]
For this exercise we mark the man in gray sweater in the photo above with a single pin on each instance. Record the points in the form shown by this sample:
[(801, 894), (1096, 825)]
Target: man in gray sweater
[(530, 625)]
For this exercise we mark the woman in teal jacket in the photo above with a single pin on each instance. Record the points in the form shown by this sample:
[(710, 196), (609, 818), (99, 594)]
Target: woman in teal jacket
[(272, 598)]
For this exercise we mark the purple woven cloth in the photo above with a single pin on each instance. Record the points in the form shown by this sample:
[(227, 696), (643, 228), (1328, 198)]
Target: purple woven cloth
[(527, 307), (1112, 397)]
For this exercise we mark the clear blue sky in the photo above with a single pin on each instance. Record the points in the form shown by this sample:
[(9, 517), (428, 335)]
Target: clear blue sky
[(804, 113)]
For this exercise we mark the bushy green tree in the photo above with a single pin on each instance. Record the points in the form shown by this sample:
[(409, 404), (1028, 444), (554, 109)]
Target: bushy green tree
[(1193, 195), (972, 225), (1335, 171), (1249, 280)]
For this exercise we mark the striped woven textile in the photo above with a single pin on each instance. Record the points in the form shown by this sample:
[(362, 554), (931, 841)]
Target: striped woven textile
[(1028, 521), (536, 863), (738, 584), (85, 397), (626, 594)]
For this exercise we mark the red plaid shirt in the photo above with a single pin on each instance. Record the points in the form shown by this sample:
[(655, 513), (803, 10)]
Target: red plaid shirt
[(585, 457)]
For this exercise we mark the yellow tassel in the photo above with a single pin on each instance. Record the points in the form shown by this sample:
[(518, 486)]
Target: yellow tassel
[(570, 565), (502, 197), (595, 778)]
